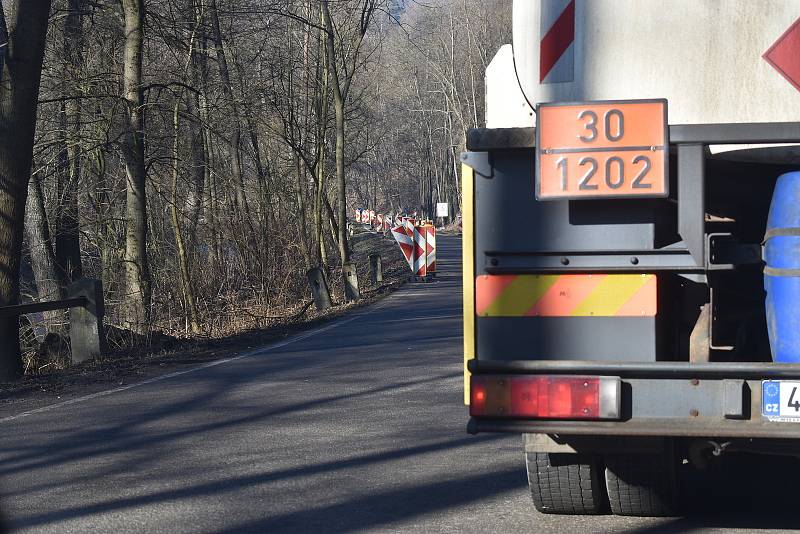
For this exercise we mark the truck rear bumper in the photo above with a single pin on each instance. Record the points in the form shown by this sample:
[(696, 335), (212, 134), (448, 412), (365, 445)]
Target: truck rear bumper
[(667, 399)]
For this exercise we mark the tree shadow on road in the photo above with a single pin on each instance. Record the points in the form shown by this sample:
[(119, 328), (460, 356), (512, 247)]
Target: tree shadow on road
[(384, 508), (402, 501), (124, 437), (155, 444)]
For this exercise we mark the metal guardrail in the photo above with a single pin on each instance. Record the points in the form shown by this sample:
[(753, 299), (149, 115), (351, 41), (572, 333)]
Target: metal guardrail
[(86, 310), (36, 307)]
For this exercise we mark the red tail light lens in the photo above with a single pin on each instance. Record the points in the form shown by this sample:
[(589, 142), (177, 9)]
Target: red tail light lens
[(477, 397), (550, 397)]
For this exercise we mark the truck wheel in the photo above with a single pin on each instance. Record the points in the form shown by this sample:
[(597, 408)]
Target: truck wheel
[(565, 483), (641, 484)]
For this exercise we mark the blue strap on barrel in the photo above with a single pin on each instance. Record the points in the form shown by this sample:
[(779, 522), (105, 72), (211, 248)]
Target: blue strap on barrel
[(776, 232), (781, 232)]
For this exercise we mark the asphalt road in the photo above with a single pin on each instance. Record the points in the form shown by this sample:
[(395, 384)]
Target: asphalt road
[(355, 427)]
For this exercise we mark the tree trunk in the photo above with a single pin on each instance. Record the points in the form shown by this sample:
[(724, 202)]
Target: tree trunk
[(137, 271), (43, 260), (194, 194), (193, 200), (322, 254), (210, 201), (183, 260), (301, 207), (338, 104), (209, 205), (261, 171), (109, 251), (331, 219), (322, 128), (68, 251), (264, 211), (19, 93), (344, 248), (236, 135)]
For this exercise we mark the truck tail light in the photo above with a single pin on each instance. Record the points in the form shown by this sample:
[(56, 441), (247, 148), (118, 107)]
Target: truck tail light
[(546, 397)]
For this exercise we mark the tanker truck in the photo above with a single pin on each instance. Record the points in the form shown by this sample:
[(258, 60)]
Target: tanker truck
[(631, 245)]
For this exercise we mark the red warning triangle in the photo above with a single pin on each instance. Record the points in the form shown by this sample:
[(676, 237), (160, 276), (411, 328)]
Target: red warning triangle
[(784, 55)]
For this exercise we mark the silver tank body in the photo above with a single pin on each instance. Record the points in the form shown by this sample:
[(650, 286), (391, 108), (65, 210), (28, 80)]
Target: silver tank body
[(704, 56)]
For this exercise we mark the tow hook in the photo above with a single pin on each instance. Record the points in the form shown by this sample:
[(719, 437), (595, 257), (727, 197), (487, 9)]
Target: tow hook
[(718, 448), (697, 448)]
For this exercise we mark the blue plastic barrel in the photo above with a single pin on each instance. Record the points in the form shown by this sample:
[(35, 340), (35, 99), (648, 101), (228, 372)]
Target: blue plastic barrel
[(782, 273)]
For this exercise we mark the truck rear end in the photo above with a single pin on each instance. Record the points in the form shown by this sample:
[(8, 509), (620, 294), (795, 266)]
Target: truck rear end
[(615, 310)]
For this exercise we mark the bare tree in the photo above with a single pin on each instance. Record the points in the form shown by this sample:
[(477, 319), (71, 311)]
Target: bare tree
[(201, 156), (236, 134), (40, 246), (137, 269), (23, 28), (67, 242), (344, 42)]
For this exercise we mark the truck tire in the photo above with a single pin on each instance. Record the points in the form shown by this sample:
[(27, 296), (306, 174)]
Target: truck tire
[(565, 483), (641, 485)]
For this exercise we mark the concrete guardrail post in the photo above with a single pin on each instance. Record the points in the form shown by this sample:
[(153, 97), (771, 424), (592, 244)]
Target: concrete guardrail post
[(86, 334), (375, 269), (350, 279), (319, 289)]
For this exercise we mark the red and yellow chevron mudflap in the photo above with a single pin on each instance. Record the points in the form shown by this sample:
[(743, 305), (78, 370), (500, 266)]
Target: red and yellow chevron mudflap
[(566, 295)]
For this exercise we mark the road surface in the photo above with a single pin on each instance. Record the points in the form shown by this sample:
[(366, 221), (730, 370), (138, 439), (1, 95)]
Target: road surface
[(357, 426)]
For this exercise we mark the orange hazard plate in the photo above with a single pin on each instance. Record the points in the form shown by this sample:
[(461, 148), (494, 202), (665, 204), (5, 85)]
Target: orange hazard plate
[(611, 149)]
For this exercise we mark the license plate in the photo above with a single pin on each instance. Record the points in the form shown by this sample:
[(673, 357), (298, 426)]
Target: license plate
[(612, 149), (780, 400)]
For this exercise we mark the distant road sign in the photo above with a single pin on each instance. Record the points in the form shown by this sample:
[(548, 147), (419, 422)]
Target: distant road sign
[(442, 209)]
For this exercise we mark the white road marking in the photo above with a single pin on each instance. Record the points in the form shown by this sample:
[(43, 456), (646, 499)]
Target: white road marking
[(422, 318), (254, 352)]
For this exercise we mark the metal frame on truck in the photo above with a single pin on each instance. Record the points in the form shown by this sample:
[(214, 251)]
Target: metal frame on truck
[(651, 403), (690, 142)]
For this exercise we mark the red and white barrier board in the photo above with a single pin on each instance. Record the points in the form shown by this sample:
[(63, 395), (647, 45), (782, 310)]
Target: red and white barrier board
[(406, 242), (418, 244), (420, 259), (430, 249), (416, 238)]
